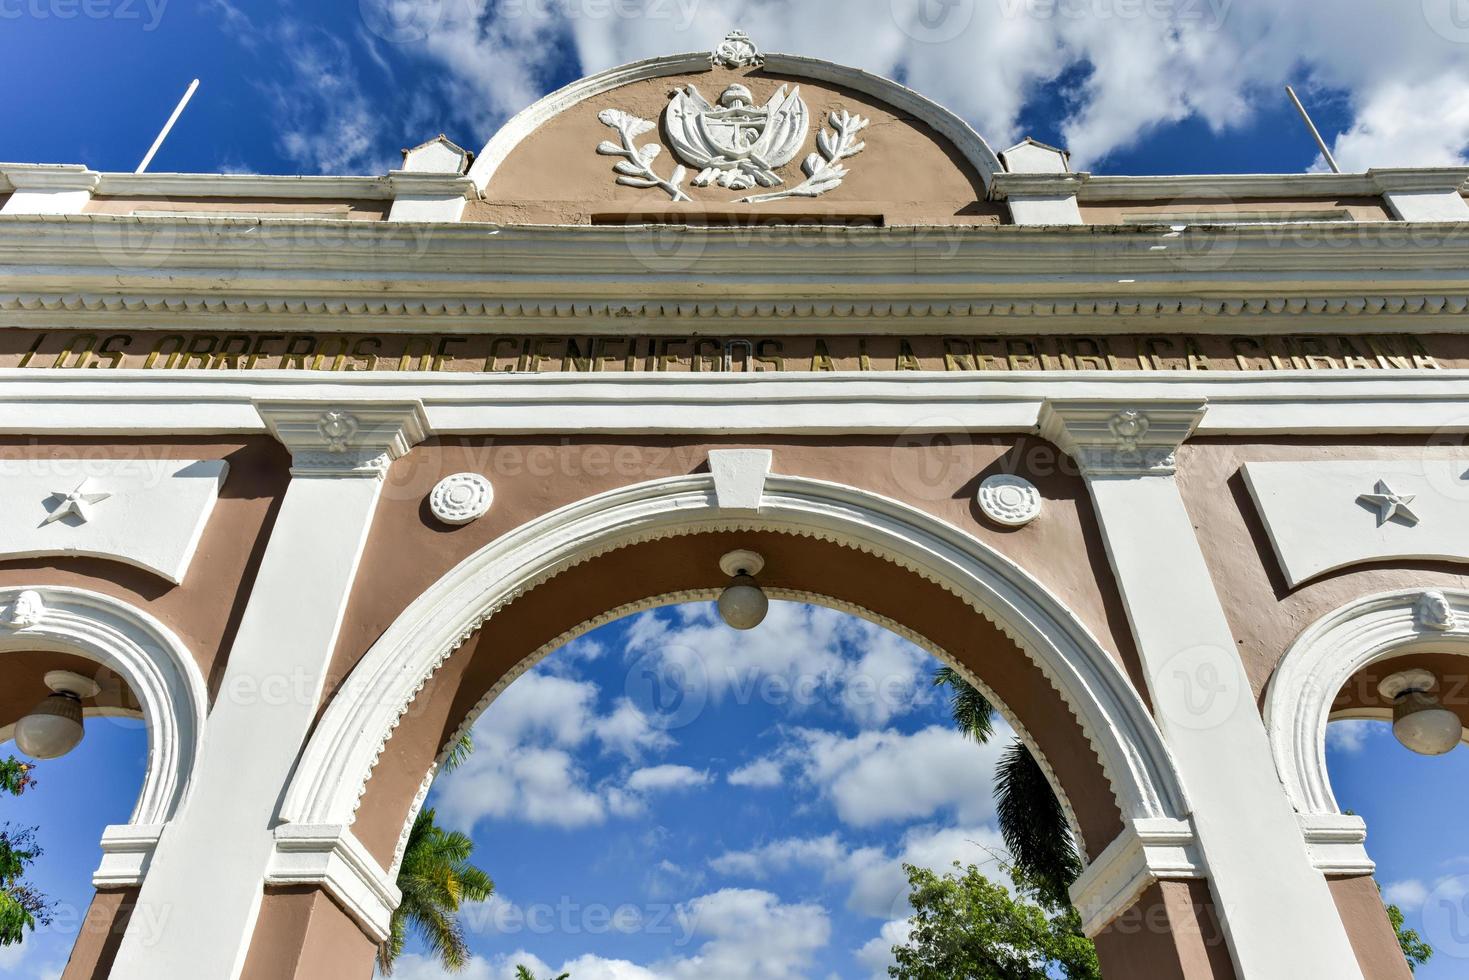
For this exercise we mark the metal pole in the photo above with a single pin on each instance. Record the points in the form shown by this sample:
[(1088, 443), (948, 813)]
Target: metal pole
[(1330, 160), (178, 109)]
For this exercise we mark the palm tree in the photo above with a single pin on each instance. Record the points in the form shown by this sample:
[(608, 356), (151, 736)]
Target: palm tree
[(1031, 819), (435, 879), (522, 972)]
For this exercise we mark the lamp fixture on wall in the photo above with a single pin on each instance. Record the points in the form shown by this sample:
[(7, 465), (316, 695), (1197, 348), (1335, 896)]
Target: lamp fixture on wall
[(743, 603), (54, 727), (1419, 721)]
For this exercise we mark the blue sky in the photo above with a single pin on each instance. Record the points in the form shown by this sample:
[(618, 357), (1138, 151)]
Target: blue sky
[(340, 86), (639, 832)]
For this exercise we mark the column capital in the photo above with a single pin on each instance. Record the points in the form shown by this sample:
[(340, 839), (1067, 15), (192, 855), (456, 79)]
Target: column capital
[(344, 439), (1120, 438)]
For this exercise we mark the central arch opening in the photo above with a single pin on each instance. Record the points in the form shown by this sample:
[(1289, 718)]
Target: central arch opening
[(666, 796)]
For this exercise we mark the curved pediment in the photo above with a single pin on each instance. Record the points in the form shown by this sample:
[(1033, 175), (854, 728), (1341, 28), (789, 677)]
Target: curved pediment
[(730, 135)]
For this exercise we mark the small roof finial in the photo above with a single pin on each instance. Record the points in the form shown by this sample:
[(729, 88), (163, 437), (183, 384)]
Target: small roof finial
[(737, 51)]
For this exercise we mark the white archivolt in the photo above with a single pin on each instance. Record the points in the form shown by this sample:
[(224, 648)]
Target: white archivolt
[(339, 759), (1298, 703), (162, 675)]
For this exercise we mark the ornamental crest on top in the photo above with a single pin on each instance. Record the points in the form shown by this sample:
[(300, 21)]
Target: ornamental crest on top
[(736, 142)]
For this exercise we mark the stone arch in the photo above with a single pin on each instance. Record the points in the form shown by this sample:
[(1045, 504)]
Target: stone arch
[(361, 719), (1302, 698), (160, 673)]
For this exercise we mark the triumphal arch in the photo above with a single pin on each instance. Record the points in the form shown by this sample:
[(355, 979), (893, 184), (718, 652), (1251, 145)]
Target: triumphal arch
[(311, 468)]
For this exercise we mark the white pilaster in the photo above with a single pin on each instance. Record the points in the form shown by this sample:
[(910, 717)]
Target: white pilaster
[(1276, 909), (208, 871)]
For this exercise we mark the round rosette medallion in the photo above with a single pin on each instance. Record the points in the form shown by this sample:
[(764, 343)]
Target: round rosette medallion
[(461, 498), (1009, 500)]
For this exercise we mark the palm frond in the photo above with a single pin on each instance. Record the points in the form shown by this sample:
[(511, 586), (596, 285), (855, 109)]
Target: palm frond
[(1034, 825), (972, 712)]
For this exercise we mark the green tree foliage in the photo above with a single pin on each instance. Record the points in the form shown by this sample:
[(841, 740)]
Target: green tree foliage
[(435, 878), (966, 927), (522, 972), (1031, 819), (21, 905), (1415, 950)]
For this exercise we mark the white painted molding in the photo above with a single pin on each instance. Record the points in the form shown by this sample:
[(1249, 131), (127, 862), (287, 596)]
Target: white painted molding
[(1322, 515), (343, 750), (47, 188), (1118, 438), (739, 477), (332, 858), (1240, 186), (429, 197), (1147, 850), (1299, 698), (1337, 842), (1424, 195), (84, 402), (349, 439), (158, 669), (969, 144), (1040, 198), (127, 850), (149, 513), (289, 187)]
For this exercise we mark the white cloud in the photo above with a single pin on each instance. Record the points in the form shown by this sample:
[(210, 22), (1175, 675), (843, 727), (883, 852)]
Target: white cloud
[(877, 884), (748, 935), (882, 777), (801, 657), (1410, 893), (1351, 735), (877, 953), (324, 120), (662, 779), (760, 774), (523, 766), (1136, 65), (752, 936)]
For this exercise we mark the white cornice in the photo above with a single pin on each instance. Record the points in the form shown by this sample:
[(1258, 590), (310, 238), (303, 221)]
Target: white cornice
[(46, 177), (357, 275), (1009, 185), (1162, 189), (404, 182), (265, 186), (136, 402)]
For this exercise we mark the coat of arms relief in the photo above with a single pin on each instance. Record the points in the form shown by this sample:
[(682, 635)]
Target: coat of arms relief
[(736, 142)]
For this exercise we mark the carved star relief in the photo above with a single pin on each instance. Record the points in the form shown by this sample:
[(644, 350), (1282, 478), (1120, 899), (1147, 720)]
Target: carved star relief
[(1390, 504), (78, 501)]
